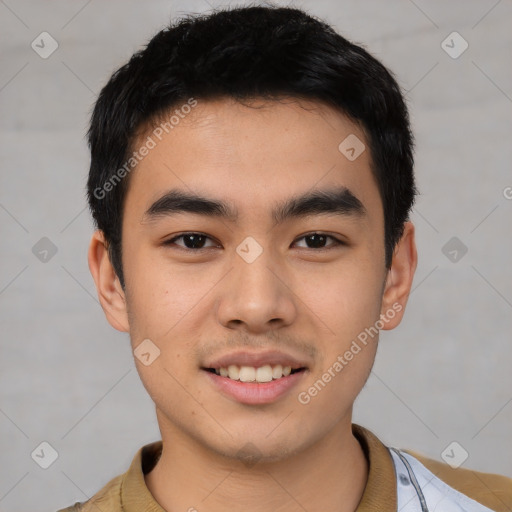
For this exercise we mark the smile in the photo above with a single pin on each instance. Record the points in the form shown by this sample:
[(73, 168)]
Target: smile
[(264, 373), (251, 385)]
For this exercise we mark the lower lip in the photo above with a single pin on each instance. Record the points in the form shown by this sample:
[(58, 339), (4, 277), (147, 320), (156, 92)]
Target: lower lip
[(255, 392)]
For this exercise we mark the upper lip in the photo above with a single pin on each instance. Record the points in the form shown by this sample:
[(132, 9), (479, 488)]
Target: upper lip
[(256, 359)]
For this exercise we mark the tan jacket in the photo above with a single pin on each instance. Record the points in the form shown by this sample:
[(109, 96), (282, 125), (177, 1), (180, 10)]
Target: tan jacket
[(129, 493)]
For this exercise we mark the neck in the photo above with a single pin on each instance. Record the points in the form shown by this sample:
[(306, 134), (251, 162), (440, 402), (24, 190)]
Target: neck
[(329, 475)]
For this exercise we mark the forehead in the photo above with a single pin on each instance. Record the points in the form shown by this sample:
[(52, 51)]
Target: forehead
[(252, 152)]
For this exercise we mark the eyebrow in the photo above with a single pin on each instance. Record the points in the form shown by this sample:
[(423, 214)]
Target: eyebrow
[(333, 201)]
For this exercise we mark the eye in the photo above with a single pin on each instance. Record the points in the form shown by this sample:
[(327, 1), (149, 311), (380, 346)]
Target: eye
[(196, 241), (318, 241), (191, 241)]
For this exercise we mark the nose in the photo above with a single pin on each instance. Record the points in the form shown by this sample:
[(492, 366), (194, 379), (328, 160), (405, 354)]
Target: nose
[(256, 296)]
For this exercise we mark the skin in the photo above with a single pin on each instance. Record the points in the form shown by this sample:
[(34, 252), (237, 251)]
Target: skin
[(309, 302)]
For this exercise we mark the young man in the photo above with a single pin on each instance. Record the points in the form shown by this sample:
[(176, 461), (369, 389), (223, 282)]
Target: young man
[(251, 180)]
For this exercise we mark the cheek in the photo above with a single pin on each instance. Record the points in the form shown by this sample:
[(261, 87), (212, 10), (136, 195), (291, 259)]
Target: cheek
[(348, 302), (163, 307), (161, 296), (166, 383), (348, 309), (346, 296)]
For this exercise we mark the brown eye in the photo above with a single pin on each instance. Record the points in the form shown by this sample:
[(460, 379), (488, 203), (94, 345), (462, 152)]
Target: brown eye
[(191, 241), (319, 241)]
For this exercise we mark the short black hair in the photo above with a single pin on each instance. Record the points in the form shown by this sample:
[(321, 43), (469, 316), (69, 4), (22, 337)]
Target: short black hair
[(245, 53)]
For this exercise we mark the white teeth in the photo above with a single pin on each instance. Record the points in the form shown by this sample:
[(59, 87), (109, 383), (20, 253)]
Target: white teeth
[(233, 372), (247, 374), (264, 373), (277, 371), (251, 374)]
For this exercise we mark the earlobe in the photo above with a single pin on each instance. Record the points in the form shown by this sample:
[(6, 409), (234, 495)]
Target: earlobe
[(399, 279), (110, 293)]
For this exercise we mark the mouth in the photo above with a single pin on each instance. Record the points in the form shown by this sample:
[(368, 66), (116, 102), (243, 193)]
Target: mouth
[(252, 385), (261, 374), (249, 377)]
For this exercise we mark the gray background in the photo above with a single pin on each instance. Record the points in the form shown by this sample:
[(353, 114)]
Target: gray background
[(68, 378)]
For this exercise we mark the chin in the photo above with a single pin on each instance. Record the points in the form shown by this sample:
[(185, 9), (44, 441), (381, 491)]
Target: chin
[(258, 448), (251, 453)]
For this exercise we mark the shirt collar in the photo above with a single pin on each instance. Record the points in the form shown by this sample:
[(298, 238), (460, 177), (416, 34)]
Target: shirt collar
[(135, 496), (379, 493)]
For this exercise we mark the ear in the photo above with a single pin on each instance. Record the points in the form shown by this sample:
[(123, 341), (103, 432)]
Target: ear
[(399, 279), (110, 293)]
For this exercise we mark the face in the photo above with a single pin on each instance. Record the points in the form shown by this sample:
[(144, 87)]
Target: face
[(288, 270)]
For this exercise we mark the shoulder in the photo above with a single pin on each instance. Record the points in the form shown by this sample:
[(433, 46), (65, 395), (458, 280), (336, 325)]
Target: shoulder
[(128, 488), (490, 490), (108, 499)]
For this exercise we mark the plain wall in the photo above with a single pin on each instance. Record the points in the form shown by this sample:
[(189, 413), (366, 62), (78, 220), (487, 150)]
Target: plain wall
[(68, 378)]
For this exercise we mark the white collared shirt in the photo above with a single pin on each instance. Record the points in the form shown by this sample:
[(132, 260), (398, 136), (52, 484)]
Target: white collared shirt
[(419, 490)]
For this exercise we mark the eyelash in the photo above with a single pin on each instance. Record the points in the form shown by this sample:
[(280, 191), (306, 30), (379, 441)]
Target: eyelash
[(170, 242)]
